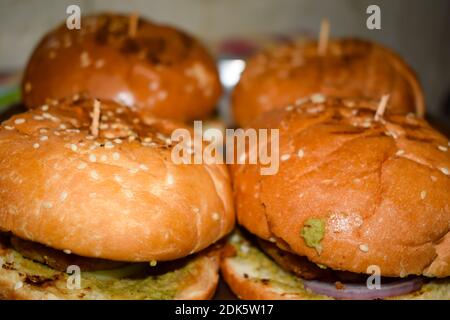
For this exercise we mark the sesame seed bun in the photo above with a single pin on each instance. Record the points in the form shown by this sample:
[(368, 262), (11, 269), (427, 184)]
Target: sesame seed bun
[(161, 70), (350, 68), (118, 196), (377, 191)]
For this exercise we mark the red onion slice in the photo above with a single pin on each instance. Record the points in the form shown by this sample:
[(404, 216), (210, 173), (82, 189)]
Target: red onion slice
[(361, 292)]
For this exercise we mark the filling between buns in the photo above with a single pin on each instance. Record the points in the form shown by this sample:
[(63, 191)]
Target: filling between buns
[(45, 269), (296, 277)]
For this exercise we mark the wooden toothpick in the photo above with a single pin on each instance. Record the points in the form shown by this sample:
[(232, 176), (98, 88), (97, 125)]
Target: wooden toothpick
[(132, 25), (324, 37), (381, 107), (95, 119)]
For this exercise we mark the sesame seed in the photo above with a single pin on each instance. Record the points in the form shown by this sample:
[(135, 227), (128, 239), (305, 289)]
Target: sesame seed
[(18, 285), (285, 157), (300, 101), (85, 60), (116, 156), (143, 167), (94, 175), (92, 158), (162, 95), (364, 247), (99, 63), (128, 193), (196, 210), (154, 85), (47, 205), (400, 152), (118, 178), (153, 263), (442, 148), (433, 178), (44, 107), (62, 126), (317, 98), (215, 216), (19, 121), (9, 128), (301, 153), (66, 251), (444, 171), (82, 166), (118, 141), (73, 147), (63, 196), (109, 145), (104, 158), (133, 170), (36, 145), (423, 194), (272, 239), (289, 108)]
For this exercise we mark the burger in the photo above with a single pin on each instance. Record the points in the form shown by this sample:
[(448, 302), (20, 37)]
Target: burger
[(93, 207), (348, 68), (359, 209), (160, 70)]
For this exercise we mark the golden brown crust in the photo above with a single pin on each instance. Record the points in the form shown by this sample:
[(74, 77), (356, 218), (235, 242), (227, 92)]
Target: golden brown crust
[(381, 188), (350, 68), (161, 70), (118, 196)]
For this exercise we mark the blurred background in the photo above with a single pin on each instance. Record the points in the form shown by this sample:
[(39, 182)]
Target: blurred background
[(418, 29)]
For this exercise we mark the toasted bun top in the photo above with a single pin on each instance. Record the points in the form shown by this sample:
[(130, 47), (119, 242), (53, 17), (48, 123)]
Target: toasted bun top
[(118, 196), (378, 191), (160, 69), (349, 68)]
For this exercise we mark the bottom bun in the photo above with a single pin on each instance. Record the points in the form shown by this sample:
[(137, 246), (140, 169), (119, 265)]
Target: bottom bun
[(252, 275), (192, 278)]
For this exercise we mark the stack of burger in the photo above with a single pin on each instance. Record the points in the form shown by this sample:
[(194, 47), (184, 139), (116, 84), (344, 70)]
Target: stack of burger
[(91, 204), (360, 206)]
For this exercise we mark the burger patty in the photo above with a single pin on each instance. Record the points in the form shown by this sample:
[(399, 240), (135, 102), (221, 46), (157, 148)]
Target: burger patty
[(298, 265), (59, 260), (305, 269)]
